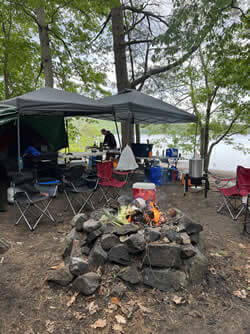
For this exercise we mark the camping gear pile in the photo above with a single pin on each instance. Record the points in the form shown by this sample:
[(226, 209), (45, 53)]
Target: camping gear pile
[(104, 248)]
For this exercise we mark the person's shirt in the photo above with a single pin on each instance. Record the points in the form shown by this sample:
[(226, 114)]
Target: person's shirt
[(31, 150), (110, 140)]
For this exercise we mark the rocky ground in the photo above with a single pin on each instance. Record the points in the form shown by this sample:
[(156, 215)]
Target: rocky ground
[(217, 304)]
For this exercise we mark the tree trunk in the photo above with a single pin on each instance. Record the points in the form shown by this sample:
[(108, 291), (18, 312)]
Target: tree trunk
[(121, 67), (45, 47), (202, 133), (138, 133)]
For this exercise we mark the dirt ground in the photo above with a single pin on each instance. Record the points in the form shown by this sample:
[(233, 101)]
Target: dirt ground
[(217, 305)]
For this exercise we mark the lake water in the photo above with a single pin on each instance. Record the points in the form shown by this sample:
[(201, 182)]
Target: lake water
[(224, 157)]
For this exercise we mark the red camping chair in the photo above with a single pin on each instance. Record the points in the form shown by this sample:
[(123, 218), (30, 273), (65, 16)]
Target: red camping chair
[(105, 176), (233, 197)]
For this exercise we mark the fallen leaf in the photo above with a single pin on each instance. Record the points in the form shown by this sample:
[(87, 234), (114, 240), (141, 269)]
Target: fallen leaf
[(178, 300), (117, 328), (50, 326), (212, 271), (240, 293), (92, 308), (58, 266), (242, 246), (78, 315), (195, 314), (100, 323), (116, 301), (120, 319), (72, 299), (143, 308)]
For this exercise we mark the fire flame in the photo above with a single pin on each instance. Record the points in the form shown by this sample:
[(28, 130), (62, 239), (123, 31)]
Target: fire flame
[(157, 213)]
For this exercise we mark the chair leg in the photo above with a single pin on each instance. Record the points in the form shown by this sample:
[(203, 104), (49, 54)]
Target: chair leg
[(23, 215), (70, 203), (86, 202)]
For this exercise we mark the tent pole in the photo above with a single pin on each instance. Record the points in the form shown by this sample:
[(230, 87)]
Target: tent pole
[(117, 130), (18, 144)]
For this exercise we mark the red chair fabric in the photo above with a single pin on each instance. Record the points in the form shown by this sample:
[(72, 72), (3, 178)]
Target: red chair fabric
[(242, 187), (105, 174)]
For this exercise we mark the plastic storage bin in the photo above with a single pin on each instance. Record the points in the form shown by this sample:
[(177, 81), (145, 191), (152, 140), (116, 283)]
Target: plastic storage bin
[(144, 190), (155, 175), (172, 153)]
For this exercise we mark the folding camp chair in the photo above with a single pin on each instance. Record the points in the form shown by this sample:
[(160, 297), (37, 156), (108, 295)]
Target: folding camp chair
[(79, 189), (32, 203), (233, 197), (106, 180)]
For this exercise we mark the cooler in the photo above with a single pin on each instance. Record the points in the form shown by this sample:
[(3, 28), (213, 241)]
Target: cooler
[(172, 153), (144, 190)]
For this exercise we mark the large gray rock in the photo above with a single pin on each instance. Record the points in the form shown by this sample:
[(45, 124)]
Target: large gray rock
[(187, 252), (78, 220), (119, 254), (97, 256), (185, 239), (130, 274), (152, 234), (78, 266), (124, 200), (163, 255), (91, 225), (187, 225), (135, 243), (108, 228), (87, 283), (62, 277), (94, 235), (196, 267), (68, 241), (172, 236), (164, 279), (126, 229), (109, 240)]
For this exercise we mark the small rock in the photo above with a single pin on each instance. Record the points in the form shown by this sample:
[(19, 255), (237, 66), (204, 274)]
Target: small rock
[(78, 220), (126, 229), (164, 279), (68, 241), (87, 283), (108, 241), (185, 240), (172, 212), (195, 238), (91, 225), (187, 252), (97, 214), (118, 291), (77, 266), (130, 274), (61, 276), (163, 255), (94, 235), (97, 256), (119, 254), (135, 243), (152, 234), (85, 250)]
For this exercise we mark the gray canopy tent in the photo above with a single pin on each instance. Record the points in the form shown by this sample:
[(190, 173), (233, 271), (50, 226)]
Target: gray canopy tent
[(56, 103), (144, 108)]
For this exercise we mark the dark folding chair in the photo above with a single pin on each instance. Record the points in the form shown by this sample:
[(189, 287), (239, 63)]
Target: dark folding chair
[(106, 180), (233, 196), (79, 189), (33, 204)]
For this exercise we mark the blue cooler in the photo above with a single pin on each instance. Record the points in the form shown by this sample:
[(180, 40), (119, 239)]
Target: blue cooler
[(155, 175)]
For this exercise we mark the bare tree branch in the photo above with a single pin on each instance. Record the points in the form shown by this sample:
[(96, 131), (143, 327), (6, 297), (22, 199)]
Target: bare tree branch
[(138, 42), (146, 13)]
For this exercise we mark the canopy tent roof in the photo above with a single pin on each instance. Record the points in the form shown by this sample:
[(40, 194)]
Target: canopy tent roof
[(144, 109), (51, 101), (7, 114)]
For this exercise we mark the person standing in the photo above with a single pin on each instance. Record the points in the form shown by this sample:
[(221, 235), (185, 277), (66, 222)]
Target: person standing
[(109, 139)]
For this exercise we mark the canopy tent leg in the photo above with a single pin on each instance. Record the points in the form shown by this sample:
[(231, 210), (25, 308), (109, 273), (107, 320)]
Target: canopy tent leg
[(18, 145), (117, 130)]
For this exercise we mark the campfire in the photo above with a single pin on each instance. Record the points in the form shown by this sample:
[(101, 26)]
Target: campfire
[(144, 212)]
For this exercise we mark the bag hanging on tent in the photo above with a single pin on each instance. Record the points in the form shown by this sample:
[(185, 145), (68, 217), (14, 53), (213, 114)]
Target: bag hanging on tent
[(127, 160)]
